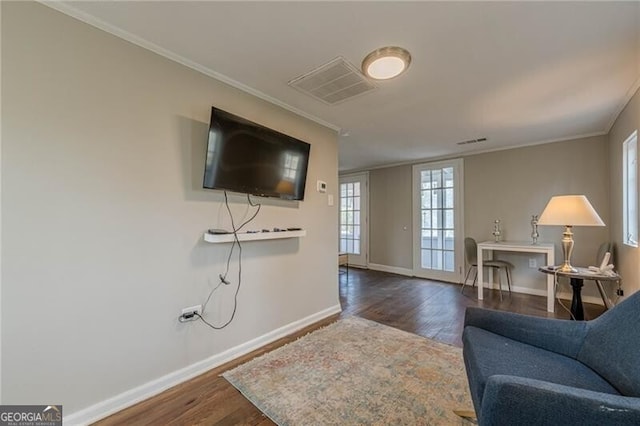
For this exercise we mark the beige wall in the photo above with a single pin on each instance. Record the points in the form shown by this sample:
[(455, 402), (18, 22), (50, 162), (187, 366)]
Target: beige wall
[(514, 184), (390, 217), (627, 257), (103, 216), (509, 185)]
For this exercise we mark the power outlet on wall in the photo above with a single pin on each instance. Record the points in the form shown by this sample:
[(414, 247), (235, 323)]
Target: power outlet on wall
[(533, 263), (190, 314)]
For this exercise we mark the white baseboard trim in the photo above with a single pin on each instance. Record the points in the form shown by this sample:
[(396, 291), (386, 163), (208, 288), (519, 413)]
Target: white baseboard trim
[(560, 295), (514, 288), (528, 290), (351, 265), (126, 399), (586, 299), (543, 292), (392, 269)]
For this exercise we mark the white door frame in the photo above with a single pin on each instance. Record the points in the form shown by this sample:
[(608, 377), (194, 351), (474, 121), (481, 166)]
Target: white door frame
[(418, 271), (361, 260)]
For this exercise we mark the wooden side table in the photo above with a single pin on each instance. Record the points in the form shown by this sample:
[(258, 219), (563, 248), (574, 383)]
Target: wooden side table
[(577, 281)]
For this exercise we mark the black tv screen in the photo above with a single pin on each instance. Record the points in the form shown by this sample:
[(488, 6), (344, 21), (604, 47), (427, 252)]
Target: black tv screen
[(243, 156)]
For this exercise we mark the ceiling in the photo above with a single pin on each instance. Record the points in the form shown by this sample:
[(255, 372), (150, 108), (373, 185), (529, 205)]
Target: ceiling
[(516, 73)]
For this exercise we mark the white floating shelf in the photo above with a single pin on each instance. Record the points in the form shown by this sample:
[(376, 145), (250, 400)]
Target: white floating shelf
[(254, 236)]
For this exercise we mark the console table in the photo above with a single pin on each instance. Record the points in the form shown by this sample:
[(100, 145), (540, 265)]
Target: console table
[(517, 246), (577, 281)]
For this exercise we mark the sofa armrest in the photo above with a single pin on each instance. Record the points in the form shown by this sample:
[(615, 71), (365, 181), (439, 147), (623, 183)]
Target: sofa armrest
[(560, 336), (510, 400)]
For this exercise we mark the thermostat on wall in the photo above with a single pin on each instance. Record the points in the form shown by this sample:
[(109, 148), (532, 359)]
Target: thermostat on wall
[(322, 186)]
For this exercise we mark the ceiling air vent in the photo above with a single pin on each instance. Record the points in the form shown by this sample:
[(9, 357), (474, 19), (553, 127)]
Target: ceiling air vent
[(471, 141), (333, 82)]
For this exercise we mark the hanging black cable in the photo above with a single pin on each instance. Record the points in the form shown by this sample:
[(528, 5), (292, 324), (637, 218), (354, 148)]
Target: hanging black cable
[(223, 277)]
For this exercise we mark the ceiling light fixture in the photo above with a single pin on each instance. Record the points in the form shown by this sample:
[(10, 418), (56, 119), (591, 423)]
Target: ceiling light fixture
[(386, 63)]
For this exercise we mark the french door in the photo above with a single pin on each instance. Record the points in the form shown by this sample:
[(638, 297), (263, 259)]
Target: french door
[(354, 202), (438, 220)]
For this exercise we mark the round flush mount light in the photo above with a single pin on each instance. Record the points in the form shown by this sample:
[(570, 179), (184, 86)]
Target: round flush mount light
[(386, 63)]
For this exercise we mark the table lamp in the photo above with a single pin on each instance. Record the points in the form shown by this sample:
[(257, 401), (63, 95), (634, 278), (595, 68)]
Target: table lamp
[(569, 211)]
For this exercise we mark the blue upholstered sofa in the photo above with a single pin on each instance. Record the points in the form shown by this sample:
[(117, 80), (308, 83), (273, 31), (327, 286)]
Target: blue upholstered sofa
[(535, 371)]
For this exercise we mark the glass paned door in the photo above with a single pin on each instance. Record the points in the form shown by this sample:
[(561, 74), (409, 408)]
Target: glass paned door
[(353, 218), (438, 220)]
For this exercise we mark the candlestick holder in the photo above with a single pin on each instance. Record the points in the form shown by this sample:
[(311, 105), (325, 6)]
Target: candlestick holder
[(534, 228)]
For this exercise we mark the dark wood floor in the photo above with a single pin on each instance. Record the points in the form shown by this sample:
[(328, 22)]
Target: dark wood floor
[(428, 308)]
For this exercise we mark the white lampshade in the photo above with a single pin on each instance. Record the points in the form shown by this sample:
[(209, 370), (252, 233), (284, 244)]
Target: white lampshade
[(570, 210)]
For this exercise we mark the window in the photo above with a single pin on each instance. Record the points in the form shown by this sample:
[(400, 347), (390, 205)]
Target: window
[(630, 190), (354, 218), (350, 217), (437, 225)]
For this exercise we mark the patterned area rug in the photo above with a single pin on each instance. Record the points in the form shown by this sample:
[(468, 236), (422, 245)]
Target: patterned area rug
[(357, 372)]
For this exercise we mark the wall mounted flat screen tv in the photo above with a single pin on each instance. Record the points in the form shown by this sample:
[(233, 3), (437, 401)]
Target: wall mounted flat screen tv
[(243, 156)]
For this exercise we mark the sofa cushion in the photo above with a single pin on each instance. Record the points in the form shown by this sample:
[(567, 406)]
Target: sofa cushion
[(612, 346), (487, 354)]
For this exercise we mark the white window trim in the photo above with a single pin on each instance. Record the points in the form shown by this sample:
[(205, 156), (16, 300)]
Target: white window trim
[(457, 274), (361, 260), (626, 209)]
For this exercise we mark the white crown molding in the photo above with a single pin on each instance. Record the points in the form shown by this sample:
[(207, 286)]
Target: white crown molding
[(128, 398), (632, 91), (467, 154), (67, 9)]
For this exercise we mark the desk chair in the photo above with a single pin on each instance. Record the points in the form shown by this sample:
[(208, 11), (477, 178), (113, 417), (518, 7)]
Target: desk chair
[(471, 256)]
